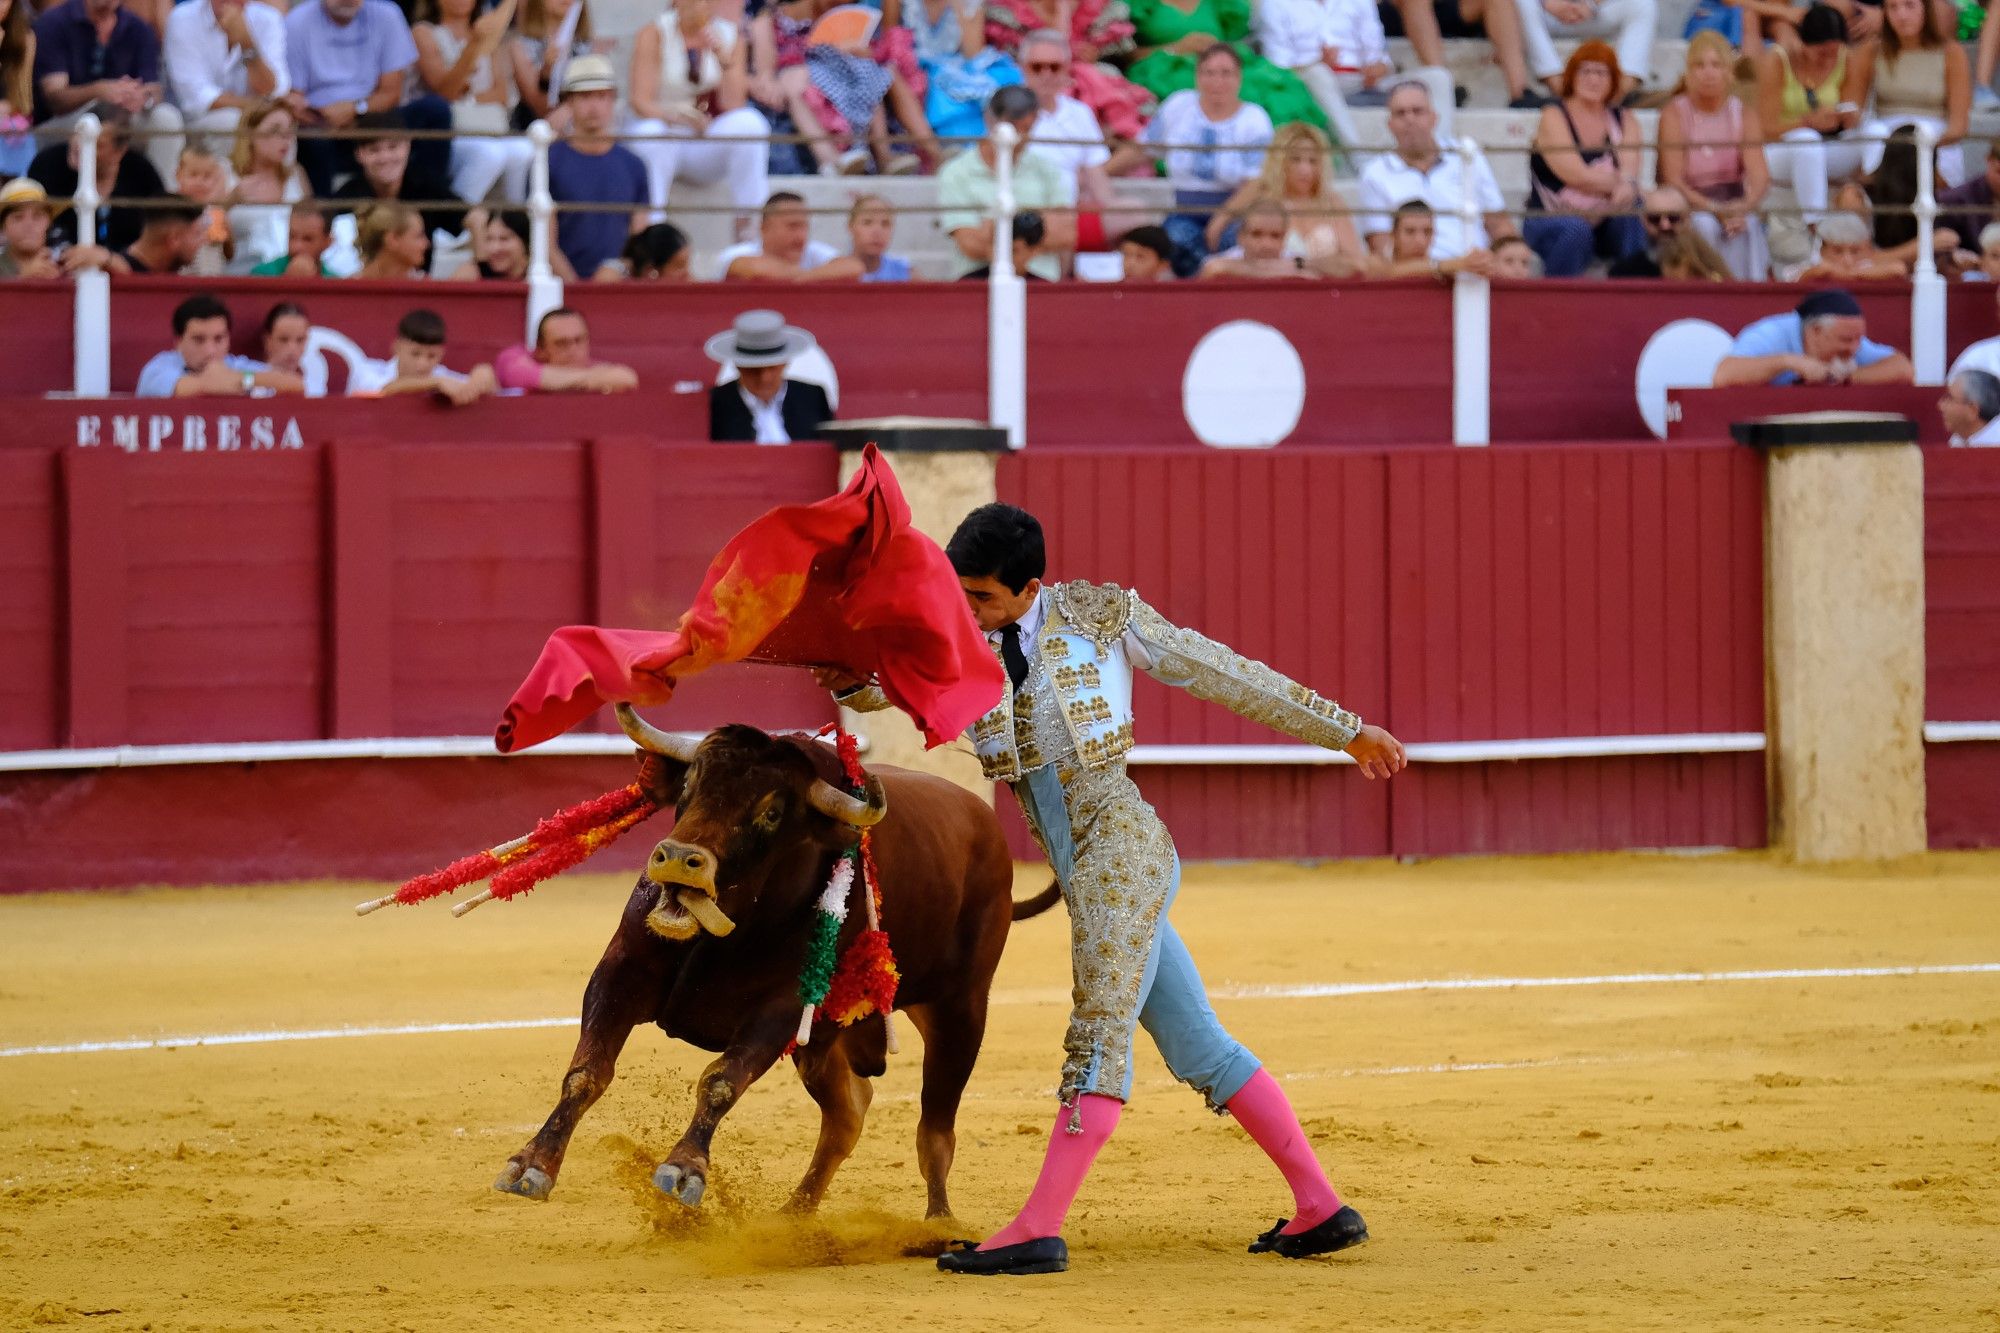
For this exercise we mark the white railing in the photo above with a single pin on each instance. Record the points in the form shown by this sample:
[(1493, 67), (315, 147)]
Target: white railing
[(545, 289), (1927, 342), (1006, 304), (91, 340), (1471, 320)]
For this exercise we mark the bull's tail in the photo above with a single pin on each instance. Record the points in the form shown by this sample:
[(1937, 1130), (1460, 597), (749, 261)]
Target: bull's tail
[(1040, 903)]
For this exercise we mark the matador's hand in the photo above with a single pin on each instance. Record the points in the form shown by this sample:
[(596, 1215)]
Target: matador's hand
[(1377, 753), (838, 681)]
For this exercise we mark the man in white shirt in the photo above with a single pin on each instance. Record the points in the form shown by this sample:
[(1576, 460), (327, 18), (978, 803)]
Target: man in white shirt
[(1066, 133), (784, 250), (1339, 51), (1971, 408), (1419, 169), (222, 56), (416, 365), (967, 189)]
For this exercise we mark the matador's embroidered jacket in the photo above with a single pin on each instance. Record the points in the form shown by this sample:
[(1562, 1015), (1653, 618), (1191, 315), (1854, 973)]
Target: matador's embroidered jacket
[(1061, 741)]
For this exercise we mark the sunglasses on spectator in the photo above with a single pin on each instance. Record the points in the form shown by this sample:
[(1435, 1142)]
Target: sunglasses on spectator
[(1664, 221), (1046, 67)]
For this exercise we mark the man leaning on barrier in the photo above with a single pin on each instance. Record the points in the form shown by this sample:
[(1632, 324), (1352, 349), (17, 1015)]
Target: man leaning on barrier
[(1823, 341)]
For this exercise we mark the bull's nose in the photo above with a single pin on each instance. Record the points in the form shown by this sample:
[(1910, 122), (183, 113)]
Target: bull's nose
[(681, 863)]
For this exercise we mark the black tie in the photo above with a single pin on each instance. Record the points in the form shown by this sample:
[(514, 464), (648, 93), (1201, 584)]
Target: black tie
[(1011, 654)]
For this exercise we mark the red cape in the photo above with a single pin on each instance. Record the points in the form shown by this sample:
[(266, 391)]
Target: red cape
[(845, 583)]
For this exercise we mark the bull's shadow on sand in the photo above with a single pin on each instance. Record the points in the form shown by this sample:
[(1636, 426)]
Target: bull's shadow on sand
[(727, 1236)]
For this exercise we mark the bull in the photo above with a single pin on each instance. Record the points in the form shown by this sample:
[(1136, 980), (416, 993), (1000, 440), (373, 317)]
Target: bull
[(712, 940)]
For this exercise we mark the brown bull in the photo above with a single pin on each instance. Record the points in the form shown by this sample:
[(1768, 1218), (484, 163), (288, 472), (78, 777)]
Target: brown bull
[(714, 936)]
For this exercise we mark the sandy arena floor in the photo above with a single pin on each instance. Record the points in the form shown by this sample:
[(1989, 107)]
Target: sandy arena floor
[(1675, 1152)]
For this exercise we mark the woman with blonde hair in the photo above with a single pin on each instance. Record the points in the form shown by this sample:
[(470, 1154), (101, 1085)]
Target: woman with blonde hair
[(392, 241), (269, 180), (1712, 151), (1688, 257), (1298, 173)]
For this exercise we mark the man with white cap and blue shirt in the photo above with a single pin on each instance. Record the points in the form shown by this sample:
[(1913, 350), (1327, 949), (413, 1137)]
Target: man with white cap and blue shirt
[(760, 405)]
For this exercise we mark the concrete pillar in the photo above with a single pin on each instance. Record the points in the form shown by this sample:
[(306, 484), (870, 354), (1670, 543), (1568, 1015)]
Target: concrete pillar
[(946, 469), (1844, 617)]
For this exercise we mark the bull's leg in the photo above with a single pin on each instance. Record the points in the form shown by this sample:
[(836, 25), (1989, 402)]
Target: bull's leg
[(952, 1034), (843, 1098), (755, 1048), (621, 993)]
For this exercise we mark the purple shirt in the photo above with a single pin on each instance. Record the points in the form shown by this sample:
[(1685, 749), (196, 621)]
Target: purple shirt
[(616, 177), (331, 62), (66, 43)]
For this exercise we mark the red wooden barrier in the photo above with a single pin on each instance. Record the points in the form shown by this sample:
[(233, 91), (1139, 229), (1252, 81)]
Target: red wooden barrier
[(37, 337), (1962, 576), (1451, 596), (1105, 365), (1707, 414)]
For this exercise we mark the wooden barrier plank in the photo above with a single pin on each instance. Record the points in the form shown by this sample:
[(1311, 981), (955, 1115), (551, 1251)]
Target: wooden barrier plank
[(361, 550), (96, 597)]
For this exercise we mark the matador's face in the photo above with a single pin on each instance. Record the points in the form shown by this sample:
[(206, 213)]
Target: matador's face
[(995, 605)]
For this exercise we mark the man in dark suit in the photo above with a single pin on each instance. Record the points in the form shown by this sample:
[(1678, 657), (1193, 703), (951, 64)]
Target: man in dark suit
[(760, 405)]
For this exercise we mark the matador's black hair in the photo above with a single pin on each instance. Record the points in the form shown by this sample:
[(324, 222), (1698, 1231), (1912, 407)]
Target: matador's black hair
[(999, 541)]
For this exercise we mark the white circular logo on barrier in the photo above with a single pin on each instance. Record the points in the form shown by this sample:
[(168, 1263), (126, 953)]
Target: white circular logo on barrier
[(815, 367), (1682, 355), (1244, 387)]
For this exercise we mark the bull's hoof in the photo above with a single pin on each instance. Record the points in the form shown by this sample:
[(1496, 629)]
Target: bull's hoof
[(529, 1182), (681, 1183)]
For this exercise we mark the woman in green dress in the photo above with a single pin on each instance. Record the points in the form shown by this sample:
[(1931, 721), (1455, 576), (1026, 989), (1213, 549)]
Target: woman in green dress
[(1173, 33)]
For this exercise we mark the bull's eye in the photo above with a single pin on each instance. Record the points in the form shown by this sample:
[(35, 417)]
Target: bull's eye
[(769, 817)]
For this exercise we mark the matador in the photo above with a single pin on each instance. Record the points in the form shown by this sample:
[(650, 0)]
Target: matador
[(1059, 738)]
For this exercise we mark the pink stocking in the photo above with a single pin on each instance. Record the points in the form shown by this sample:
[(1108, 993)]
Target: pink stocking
[(1063, 1169), (1266, 1114)]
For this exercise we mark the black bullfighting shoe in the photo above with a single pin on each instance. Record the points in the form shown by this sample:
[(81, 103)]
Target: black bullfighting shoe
[(1343, 1229), (1269, 1240), (1047, 1255)]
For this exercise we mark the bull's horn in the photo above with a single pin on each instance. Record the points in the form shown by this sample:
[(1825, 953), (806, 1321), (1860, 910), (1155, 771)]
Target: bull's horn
[(649, 737), (860, 811), (703, 909)]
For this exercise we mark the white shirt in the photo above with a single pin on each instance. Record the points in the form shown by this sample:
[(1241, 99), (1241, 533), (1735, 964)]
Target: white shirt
[(817, 253), (201, 65), (1388, 181), (1982, 355), (1070, 120), (768, 418), (1986, 436), (374, 376), (1295, 33), (1229, 152)]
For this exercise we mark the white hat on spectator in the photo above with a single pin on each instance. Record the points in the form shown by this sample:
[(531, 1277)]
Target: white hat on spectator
[(759, 338), (589, 74), (22, 193)]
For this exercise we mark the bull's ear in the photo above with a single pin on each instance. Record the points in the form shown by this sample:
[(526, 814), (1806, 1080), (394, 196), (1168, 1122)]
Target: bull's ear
[(661, 778)]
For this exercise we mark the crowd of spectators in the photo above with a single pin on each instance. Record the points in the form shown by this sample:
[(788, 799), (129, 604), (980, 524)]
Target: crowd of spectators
[(249, 108)]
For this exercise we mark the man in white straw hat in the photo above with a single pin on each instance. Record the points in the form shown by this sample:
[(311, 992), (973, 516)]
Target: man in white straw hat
[(760, 405)]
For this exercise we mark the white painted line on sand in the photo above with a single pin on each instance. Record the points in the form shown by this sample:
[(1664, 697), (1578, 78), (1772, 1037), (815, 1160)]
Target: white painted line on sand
[(1323, 991)]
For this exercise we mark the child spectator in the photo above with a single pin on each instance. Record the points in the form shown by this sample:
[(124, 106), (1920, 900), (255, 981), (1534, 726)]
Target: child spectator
[(1147, 254), (286, 332), (871, 225), (201, 178), (416, 365)]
